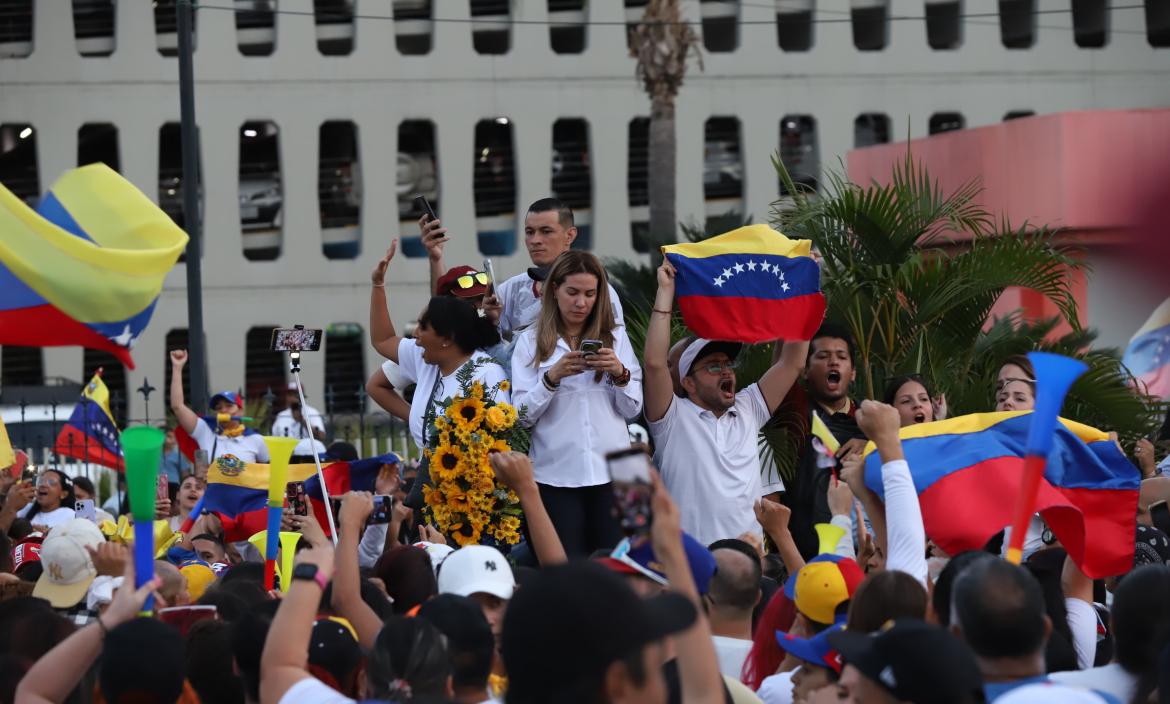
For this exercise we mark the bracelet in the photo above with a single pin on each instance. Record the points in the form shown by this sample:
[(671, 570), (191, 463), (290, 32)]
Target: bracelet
[(549, 383), (664, 312), (622, 379), (381, 285)]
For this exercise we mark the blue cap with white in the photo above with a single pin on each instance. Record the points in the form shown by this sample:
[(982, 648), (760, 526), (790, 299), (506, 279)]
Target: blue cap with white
[(641, 560)]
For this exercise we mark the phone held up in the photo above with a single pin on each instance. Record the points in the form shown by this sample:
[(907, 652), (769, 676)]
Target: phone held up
[(381, 515), (629, 474), (491, 272), (422, 204), (295, 493), (296, 339), (84, 508)]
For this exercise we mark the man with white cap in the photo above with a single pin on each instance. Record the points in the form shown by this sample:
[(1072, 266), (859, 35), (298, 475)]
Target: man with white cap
[(292, 421), (706, 443), (68, 568)]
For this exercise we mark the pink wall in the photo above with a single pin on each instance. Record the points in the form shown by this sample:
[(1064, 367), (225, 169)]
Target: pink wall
[(1093, 174)]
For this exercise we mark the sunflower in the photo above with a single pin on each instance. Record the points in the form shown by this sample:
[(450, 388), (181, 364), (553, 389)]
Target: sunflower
[(496, 419), (446, 458), (464, 533), (500, 446), (509, 412), (477, 389), (466, 413), (505, 385)]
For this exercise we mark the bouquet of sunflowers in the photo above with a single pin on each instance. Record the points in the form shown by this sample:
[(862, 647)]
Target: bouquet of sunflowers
[(464, 500)]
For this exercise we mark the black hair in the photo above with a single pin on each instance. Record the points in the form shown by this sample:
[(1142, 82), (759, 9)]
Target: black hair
[(211, 538), (892, 386), (409, 650), (460, 321), (374, 598), (30, 571), (835, 330), (342, 451), (248, 636), (1000, 608), (12, 671), (83, 482), (563, 211), (1046, 566), (209, 663), (940, 598), (470, 644), (67, 502), (736, 589), (121, 676), (244, 572), (886, 596), (1141, 624), (5, 553)]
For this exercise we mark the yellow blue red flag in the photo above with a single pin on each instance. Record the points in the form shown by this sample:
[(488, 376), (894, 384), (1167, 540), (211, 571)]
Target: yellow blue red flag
[(748, 285), (90, 434), (86, 267), (1148, 355)]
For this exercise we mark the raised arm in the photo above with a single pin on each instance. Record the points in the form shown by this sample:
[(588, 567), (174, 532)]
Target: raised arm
[(773, 517), (282, 663), (515, 470), (659, 390), (382, 334), (347, 589), (187, 418), (379, 388), (784, 372), (434, 237)]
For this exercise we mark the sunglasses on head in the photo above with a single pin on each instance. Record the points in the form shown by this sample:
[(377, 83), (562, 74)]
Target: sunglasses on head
[(470, 280)]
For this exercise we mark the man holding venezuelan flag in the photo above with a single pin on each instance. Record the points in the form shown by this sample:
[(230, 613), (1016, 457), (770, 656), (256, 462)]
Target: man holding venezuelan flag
[(747, 286)]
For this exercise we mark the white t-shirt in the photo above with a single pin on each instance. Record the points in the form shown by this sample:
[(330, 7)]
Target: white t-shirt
[(424, 376), (50, 519), (711, 466), (313, 691), (731, 653), (576, 425), (248, 448), (776, 689), (287, 426), (1110, 679), (522, 307)]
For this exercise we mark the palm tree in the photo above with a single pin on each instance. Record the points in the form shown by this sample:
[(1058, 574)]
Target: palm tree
[(914, 274), (662, 44)]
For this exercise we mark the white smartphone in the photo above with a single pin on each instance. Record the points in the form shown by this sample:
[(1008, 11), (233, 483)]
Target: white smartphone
[(491, 272), (84, 508)]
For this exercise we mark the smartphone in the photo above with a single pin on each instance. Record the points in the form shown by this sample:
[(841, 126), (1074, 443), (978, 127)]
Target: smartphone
[(422, 204), (296, 339), (629, 475), (335, 504), (162, 487), (84, 508), (1160, 516), (491, 272), (295, 492), (383, 509), (590, 348), (184, 617)]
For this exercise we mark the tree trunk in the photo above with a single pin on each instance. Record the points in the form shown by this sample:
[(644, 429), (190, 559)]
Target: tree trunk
[(661, 176)]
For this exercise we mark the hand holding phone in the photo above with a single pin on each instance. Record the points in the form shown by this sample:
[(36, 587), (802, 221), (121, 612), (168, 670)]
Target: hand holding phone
[(423, 205), (162, 487), (633, 489), (491, 272), (84, 508), (590, 348), (383, 510), (295, 493)]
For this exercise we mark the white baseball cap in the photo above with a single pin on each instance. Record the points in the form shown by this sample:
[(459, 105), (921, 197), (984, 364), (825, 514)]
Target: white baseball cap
[(1047, 692), (477, 569), (437, 552), (309, 446), (68, 569), (701, 348)]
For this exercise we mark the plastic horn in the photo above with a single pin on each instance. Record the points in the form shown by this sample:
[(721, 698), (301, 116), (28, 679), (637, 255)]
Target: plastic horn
[(195, 514), (142, 451), (222, 418), (288, 552), (279, 452), (1054, 375), (829, 536)]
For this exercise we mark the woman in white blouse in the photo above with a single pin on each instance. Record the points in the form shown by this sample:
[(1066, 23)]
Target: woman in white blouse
[(578, 402), (451, 333)]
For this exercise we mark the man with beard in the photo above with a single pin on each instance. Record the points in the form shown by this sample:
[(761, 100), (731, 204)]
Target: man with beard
[(828, 373), (706, 442)]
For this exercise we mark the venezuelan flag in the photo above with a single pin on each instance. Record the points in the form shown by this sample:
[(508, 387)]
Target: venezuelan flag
[(86, 267), (1148, 354), (7, 455), (90, 434), (344, 477), (967, 471), (238, 494), (748, 285)]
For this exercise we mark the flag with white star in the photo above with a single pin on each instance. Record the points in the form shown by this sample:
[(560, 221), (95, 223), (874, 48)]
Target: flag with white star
[(749, 285), (1148, 355), (90, 434)]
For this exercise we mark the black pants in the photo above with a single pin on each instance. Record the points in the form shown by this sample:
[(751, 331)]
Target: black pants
[(583, 517)]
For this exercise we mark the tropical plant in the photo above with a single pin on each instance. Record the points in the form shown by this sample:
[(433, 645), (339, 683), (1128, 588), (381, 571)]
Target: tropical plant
[(914, 274), (662, 43)]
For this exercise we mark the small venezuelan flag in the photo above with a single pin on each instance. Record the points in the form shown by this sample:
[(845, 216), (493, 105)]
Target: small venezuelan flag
[(749, 285), (86, 267), (90, 434), (967, 471)]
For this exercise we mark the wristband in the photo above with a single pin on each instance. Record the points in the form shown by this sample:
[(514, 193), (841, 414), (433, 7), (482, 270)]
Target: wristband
[(381, 285), (622, 379), (664, 312), (549, 383)]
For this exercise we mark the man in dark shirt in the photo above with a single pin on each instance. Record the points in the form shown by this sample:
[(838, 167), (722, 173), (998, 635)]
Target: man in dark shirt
[(827, 376)]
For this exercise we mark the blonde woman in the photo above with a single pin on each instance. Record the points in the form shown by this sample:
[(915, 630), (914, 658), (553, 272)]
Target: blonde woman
[(576, 373)]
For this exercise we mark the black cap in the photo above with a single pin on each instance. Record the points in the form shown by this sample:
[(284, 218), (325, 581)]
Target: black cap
[(914, 661), (334, 650), (572, 621), (538, 273)]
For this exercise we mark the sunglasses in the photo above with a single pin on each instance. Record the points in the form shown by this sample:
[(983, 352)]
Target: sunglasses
[(48, 481), (470, 280)]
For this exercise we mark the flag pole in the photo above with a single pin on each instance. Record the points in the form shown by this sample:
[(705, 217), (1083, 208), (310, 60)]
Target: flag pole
[(192, 217)]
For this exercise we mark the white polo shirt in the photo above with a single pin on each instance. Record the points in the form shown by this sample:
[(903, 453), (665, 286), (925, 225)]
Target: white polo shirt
[(574, 426), (287, 426), (522, 307), (711, 465), (247, 448)]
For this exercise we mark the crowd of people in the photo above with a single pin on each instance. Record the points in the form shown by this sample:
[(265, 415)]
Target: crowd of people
[(742, 588)]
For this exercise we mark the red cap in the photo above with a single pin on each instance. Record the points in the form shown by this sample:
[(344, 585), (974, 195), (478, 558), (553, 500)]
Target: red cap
[(26, 551), (462, 282)]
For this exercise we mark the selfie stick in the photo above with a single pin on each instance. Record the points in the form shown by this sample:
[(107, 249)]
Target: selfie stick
[(294, 359)]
